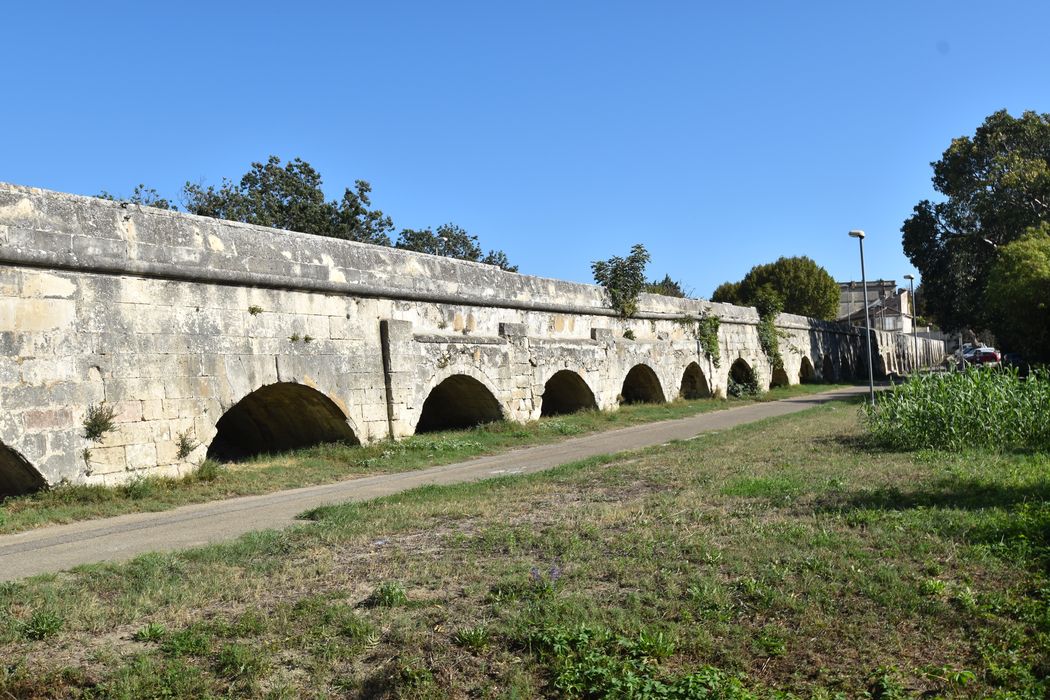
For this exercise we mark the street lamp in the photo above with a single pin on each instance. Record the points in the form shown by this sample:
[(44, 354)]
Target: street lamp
[(914, 337), (859, 235)]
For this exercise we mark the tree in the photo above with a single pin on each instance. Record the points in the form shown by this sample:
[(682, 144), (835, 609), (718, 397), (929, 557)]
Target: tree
[(727, 293), (667, 287), (997, 185), (1019, 294), (623, 279), (290, 197), (452, 241), (802, 286), (145, 196)]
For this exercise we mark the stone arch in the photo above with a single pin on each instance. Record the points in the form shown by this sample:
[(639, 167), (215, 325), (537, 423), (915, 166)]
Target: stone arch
[(279, 417), (17, 475), (458, 401), (694, 383), (827, 369), (641, 385), (566, 392), (806, 373), (846, 367), (742, 379), (779, 378)]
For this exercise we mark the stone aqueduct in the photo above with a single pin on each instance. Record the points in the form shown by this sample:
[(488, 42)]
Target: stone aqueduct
[(245, 339)]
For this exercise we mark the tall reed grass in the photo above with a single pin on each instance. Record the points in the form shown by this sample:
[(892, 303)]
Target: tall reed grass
[(981, 407)]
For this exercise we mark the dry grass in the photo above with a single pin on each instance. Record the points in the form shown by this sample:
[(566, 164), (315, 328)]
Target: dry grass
[(777, 556)]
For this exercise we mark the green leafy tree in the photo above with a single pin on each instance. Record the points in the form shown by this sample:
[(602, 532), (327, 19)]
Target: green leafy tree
[(1019, 294), (289, 196), (727, 293), (145, 196), (452, 241), (623, 279), (996, 185), (803, 287), (667, 287)]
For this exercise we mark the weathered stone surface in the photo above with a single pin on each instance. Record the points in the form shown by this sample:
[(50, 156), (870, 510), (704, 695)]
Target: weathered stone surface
[(174, 320)]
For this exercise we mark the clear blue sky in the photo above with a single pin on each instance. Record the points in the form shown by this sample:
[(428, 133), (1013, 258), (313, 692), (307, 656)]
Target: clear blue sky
[(561, 132)]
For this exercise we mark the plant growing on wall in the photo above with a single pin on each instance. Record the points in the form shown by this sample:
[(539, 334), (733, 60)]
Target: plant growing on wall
[(623, 279), (186, 444), (769, 304), (705, 330), (98, 422)]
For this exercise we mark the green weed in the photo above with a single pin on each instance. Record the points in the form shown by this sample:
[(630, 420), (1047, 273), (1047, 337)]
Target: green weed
[(475, 639), (153, 632), (389, 594), (42, 624)]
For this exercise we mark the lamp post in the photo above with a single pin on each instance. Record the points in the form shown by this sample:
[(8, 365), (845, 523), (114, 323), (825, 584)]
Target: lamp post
[(859, 235), (914, 337)]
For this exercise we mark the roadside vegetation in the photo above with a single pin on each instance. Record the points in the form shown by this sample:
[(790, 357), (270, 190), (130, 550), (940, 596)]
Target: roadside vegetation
[(978, 408), (334, 462), (786, 558)]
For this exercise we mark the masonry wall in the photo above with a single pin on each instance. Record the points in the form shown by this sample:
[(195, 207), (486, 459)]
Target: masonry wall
[(173, 320)]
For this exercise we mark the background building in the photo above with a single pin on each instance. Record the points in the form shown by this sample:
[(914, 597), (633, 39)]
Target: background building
[(890, 307)]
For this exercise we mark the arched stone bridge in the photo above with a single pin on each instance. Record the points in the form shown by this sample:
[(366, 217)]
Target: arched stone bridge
[(242, 339)]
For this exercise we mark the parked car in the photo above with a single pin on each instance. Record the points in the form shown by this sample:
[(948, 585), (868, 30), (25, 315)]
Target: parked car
[(1016, 361), (985, 356)]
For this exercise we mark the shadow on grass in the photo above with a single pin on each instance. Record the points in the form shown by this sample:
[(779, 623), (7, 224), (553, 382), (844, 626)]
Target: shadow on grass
[(1012, 521), (971, 494)]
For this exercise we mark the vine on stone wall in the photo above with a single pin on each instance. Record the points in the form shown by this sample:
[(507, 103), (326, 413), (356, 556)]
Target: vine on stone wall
[(705, 330), (769, 338), (769, 304)]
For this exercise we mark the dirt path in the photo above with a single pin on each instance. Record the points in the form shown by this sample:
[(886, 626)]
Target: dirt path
[(60, 547)]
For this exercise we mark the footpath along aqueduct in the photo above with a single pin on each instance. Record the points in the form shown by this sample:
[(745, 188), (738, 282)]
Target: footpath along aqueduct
[(244, 339)]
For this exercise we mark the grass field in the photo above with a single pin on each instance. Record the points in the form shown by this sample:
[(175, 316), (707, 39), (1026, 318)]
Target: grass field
[(328, 463), (779, 557)]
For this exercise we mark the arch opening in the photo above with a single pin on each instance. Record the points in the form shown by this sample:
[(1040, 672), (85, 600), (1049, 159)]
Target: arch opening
[(828, 369), (779, 378), (17, 475), (694, 383), (846, 367), (566, 392), (458, 402), (742, 380), (806, 373), (276, 418), (641, 385)]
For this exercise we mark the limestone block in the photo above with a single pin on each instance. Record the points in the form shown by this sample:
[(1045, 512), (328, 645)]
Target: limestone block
[(127, 411), (94, 248), (59, 244), (43, 285), (47, 370), (46, 419), (106, 460), (152, 409), (141, 456), (134, 389), (181, 408), (168, 452), (134, 290), (32, 315), (61, 444), (339, 328)]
